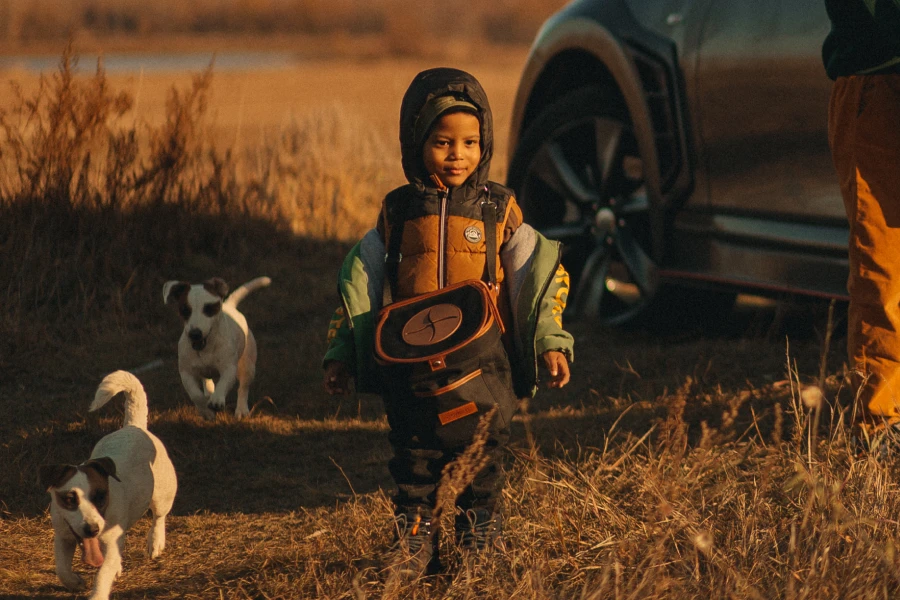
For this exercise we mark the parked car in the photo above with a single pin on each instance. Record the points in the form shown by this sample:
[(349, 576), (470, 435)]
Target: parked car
[(679, 149)]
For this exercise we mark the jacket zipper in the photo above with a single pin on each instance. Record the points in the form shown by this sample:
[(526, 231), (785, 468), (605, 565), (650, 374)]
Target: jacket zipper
[(442, 239)]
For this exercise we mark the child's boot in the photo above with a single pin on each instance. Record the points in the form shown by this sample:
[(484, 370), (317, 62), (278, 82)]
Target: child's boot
[(479, 529), (414, 552)]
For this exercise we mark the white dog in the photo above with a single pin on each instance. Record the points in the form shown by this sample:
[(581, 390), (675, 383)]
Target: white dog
[(93, 504), (217, 347)]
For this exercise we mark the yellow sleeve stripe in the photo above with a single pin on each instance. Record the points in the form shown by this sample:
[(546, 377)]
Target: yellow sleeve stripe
[(337, 321), (562, 295)]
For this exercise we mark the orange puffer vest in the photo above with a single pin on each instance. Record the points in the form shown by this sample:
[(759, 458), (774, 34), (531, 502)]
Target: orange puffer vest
[(443, 233)]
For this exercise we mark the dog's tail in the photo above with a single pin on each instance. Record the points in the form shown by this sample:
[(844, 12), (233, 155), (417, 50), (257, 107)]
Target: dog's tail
[(135, 396), (241, 292)]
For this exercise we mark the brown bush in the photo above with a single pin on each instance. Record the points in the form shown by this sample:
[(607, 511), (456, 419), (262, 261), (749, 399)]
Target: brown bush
[(96, 208)]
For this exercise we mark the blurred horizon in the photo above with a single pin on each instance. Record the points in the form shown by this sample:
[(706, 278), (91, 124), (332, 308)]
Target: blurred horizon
[(311, 28)]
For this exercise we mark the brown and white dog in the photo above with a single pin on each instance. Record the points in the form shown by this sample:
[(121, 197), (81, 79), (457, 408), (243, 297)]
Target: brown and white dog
[(216, 348), (93, 504)]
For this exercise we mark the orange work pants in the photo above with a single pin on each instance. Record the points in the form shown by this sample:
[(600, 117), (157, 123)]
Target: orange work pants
[(864, 133)]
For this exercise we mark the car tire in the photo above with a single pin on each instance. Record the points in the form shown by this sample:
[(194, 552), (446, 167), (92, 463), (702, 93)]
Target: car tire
[(579, 178)]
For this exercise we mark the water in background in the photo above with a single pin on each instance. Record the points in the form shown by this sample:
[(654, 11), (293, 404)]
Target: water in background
[(187, 61)]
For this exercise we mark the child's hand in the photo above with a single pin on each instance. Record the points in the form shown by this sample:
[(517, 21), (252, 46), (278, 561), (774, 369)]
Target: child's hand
[(558, 366), (336, 378)]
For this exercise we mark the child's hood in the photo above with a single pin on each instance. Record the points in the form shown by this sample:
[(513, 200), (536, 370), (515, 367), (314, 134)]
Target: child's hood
[(431, 84)]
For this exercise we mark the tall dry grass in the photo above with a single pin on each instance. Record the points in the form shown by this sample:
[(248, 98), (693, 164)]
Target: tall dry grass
[(77, 187), (98, 208), (764, 498), (326, 172)]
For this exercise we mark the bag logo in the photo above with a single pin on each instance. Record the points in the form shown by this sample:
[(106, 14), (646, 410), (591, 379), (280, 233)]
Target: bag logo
[(432, 325), (472, 234)]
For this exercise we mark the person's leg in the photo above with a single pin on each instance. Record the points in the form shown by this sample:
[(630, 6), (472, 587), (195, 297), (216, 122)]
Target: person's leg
[(865, 142), (478, 521), (484, 489), (417, 452), (415, 548)]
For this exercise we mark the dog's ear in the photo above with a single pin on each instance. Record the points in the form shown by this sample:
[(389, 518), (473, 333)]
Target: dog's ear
[(103, 465), (172, 290), (51, 476), (216, 286)]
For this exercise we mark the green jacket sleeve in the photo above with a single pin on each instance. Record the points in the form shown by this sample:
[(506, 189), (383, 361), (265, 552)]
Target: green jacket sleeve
[(351, 335), (549, 333), (539, 290), (340, 341)]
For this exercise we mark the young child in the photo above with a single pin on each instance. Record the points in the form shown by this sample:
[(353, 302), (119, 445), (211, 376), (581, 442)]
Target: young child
[(446, 137)]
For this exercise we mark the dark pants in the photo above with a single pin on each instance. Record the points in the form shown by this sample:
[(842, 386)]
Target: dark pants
[(423, 446)]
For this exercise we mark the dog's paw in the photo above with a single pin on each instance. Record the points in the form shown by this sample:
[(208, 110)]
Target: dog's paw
[(216, 404), (72, 581)]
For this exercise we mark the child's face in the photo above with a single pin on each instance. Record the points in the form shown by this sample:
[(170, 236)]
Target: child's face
[(453, 149)]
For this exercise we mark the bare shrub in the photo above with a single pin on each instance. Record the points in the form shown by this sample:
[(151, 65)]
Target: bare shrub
[(97, 209), (89, 199)]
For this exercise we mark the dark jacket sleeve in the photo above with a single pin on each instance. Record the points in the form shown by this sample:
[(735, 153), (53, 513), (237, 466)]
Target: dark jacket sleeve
[(886, 16)]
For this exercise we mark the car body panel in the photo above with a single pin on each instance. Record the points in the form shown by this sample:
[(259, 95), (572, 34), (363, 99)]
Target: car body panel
[(755, 204), (761, 105)]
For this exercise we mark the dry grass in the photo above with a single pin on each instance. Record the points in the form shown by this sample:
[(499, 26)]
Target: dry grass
[(697, 465), (719, 487)]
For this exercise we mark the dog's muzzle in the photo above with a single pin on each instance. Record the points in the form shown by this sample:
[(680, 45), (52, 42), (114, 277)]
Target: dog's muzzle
[(91, 553), (198, 342)]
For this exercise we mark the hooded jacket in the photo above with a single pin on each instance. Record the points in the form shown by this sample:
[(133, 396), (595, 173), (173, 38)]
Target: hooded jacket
[(443, 231), (443, 242)]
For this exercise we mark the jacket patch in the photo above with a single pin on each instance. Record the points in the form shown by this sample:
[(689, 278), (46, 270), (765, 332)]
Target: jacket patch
[(472, 234), (337, 321)]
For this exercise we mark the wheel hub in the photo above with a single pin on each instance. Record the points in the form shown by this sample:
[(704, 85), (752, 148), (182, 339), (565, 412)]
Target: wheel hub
[(604, 222)]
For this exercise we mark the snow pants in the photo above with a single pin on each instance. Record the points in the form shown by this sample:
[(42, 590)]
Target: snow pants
[(864, 134)]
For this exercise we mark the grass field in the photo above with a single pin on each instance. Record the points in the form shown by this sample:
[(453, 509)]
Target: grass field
[(691, 464)]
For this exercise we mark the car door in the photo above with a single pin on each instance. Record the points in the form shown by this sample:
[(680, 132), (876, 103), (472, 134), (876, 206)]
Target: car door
[(761, 104)]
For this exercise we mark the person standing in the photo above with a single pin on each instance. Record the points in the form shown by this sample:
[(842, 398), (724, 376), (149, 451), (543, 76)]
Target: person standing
[(449, 224), (862, 55)]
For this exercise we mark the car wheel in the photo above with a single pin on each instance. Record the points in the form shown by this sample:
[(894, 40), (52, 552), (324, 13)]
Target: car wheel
[(579, 179)]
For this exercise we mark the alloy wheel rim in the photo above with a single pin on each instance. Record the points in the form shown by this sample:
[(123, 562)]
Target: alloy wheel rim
[(585, 187)]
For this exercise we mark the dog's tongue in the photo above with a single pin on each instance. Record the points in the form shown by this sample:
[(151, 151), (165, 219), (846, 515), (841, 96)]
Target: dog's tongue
[(90, 550)]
